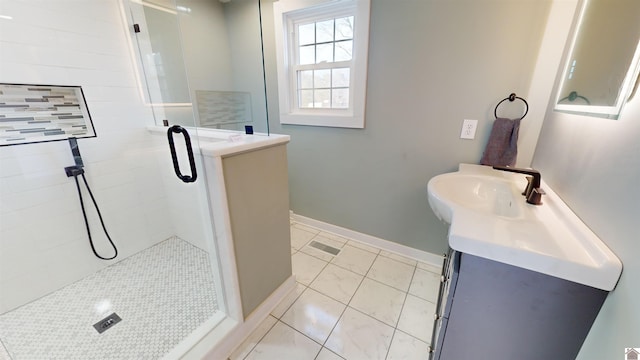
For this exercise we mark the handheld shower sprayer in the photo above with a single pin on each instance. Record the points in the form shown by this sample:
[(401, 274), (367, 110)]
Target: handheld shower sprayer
[(75, 151), (78, 170)]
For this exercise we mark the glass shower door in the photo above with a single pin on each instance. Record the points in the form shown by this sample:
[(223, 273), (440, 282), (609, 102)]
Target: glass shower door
[(164, 82), (177, 140), (201, 62), (202, 75)]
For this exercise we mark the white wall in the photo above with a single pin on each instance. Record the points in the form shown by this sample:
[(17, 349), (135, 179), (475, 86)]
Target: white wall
[(594, 165), (432, 64), (43, 244), (556, 34)]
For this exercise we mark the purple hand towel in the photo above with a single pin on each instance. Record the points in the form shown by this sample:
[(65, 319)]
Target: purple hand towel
[(502, 147)]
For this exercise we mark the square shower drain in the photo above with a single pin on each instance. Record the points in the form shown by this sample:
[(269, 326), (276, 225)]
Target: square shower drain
[(106, 323)]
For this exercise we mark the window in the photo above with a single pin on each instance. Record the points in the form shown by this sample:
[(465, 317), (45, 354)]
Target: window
[(322, 61)]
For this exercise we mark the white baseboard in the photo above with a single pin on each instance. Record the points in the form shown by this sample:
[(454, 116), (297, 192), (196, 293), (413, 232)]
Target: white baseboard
[(236, 332), (390, 246)]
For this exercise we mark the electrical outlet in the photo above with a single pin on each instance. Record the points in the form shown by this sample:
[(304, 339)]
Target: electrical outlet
[(469, 129)]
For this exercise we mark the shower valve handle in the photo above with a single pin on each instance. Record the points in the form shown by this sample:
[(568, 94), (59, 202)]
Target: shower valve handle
[(74, 171)]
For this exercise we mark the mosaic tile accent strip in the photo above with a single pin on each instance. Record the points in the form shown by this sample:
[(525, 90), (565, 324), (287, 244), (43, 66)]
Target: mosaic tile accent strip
[(162, 294), (38, 113), (217, 108)]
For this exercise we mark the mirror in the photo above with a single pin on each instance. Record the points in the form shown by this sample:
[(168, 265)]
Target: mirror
[(602, 63), (200, 61)]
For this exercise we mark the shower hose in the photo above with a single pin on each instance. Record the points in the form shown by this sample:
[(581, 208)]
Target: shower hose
[(86, 221)]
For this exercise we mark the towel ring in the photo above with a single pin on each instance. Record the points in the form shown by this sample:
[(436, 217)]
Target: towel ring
[(513, 97), (573, 96)]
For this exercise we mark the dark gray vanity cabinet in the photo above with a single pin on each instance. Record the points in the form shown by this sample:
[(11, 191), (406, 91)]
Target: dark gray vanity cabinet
[(491, 310)]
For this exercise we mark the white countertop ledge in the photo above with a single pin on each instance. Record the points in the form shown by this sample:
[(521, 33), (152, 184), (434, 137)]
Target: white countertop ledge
[(547, 238), (215, 142)]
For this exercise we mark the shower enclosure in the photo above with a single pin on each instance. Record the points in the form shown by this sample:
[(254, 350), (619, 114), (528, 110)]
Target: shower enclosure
[(201, 61), (193, 65)]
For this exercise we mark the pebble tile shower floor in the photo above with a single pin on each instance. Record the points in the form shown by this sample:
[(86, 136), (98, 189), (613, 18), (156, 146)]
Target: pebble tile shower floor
[(162, 294)]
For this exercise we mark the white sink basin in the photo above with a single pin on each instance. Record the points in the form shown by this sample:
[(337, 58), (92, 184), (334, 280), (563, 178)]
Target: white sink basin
[(489, 217), (481, 193)]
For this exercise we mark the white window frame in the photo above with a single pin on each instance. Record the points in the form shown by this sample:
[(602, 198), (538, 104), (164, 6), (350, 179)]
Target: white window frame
[(289, 12)]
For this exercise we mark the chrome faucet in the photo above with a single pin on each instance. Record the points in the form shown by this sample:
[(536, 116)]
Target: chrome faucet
[(533, 192)]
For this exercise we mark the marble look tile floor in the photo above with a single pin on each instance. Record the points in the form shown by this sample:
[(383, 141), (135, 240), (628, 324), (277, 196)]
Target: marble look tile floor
[(363, 304)]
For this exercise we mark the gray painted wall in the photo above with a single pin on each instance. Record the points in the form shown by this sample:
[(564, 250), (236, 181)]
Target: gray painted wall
[(432, 63), (594, 165)]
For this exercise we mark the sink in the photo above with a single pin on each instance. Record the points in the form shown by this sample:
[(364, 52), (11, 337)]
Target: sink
[(489, 217), (486, 194)]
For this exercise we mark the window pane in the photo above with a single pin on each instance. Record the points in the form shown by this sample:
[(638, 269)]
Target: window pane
[(305, 79), (305, 99), (344, 28), (344, 50), (306, 34), (340, 99), (325, 53), (307, 54), (341, 77), (322, 79), (322, 98), (324, 31)]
